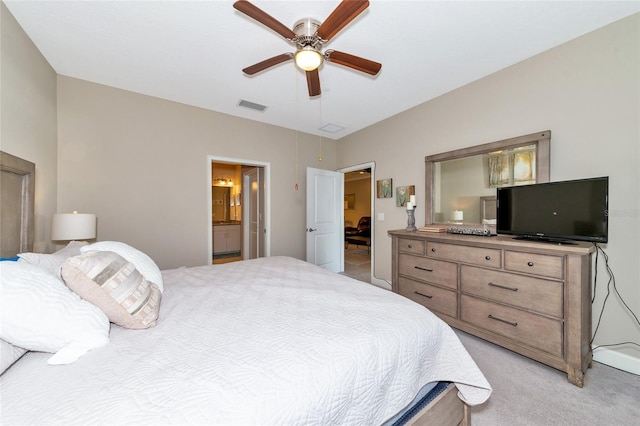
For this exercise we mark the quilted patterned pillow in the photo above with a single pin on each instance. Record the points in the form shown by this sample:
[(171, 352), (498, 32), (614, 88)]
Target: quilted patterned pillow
[(113, 284), (38, 312), (140, 260)]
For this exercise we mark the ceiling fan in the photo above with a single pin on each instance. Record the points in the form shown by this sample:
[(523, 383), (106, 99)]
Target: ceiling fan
[(309, 35)]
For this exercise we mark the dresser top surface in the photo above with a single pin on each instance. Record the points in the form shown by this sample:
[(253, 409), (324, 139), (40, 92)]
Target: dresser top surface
[(497, 241)]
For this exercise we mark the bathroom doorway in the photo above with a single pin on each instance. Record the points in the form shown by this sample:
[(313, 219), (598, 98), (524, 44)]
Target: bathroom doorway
[(238, 210)]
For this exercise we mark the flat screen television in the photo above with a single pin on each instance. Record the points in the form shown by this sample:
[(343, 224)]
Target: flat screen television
[(555, 211)]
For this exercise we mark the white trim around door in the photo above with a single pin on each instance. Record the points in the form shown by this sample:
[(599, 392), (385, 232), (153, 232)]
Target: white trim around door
[(370, 165)]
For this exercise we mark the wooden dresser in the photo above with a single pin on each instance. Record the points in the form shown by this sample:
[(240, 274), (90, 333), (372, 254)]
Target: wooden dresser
[(532, 298)]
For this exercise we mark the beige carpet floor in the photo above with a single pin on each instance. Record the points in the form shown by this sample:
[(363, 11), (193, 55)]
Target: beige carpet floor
[(526, 392)]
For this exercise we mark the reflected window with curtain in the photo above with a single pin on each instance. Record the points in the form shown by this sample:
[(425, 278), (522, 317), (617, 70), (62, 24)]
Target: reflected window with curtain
[(516, 166)]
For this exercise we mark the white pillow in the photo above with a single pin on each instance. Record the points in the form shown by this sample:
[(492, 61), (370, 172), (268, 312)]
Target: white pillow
[(143, 263), (38, 312), (52, 262)]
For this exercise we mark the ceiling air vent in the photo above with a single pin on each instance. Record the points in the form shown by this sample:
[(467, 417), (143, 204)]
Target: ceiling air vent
[(252, 105), (331, 128)]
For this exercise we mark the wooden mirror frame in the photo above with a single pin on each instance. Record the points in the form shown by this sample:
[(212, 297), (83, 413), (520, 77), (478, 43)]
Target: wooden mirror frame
[(542, 141)]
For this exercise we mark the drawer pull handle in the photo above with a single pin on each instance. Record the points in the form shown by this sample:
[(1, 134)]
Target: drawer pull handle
[(530, 263), (409, 245), (433, 250), (515, 324), (503, 287), (423, 295), (487, 257), (423, 269)]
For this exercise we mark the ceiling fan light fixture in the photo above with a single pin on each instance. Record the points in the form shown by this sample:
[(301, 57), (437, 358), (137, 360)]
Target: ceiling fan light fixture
[(309, 35), (308, 59)]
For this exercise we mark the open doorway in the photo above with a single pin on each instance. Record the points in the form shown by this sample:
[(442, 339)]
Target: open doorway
[(358, 221), (226, 212), (239, 209)]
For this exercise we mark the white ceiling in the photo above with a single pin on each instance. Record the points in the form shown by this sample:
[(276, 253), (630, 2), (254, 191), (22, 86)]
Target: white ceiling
[(193, 51)]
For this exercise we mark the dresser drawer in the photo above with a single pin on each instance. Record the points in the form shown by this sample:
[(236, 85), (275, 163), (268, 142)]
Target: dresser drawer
[(431, 270), (406, 245), (477, 255), (536, 294), (538, 264), (527, 328), (434, 298)]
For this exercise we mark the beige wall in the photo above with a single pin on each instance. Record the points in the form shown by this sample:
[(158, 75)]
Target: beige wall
[(28, 118), (140, 164), (588, 93)]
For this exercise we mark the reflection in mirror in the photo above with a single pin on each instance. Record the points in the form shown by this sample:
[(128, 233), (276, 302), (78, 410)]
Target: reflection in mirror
[(488, 210), (461, 185), (221, 203)]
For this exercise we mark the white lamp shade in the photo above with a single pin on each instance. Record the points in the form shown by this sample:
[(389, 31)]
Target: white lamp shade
[(73, 226)]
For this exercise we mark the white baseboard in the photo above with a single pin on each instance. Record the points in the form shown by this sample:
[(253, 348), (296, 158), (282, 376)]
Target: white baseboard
[(617, 360)]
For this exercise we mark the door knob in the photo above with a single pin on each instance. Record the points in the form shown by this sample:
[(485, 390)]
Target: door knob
[(311, 229)]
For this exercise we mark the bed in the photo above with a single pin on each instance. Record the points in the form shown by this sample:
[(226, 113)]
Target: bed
[(267, 341)]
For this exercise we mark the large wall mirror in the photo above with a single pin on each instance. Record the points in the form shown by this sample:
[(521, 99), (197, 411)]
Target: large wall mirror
[(461, 184)]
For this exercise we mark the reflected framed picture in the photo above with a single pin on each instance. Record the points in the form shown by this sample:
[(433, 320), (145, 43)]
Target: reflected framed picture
[(516, 166), (384, 188)]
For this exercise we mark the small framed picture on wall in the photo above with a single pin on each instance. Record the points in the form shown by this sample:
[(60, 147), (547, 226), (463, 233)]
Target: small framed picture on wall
[(403, 194), (384, 188)]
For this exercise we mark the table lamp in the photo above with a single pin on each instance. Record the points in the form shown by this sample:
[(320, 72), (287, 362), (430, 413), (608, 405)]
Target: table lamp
[(73, 226)]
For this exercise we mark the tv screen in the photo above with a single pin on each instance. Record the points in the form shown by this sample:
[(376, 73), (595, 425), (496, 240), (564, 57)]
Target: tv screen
[(555, 211)]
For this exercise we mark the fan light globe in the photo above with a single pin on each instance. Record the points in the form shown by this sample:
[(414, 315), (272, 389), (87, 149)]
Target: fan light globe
[(308, 59)]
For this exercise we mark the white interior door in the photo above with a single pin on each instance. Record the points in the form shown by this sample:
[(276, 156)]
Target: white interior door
[(324, 218), (252, 210)]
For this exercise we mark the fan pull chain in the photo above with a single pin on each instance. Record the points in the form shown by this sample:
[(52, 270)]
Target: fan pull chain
[(320, 135), (296, 179), (295, 80)]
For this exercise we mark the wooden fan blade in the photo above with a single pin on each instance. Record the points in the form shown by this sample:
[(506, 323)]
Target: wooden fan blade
[(313, 82), (264, 18), (352, 61), (341, 16), (267, 63)]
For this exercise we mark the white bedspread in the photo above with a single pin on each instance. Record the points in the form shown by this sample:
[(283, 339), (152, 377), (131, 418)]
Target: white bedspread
[(267, 341)]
